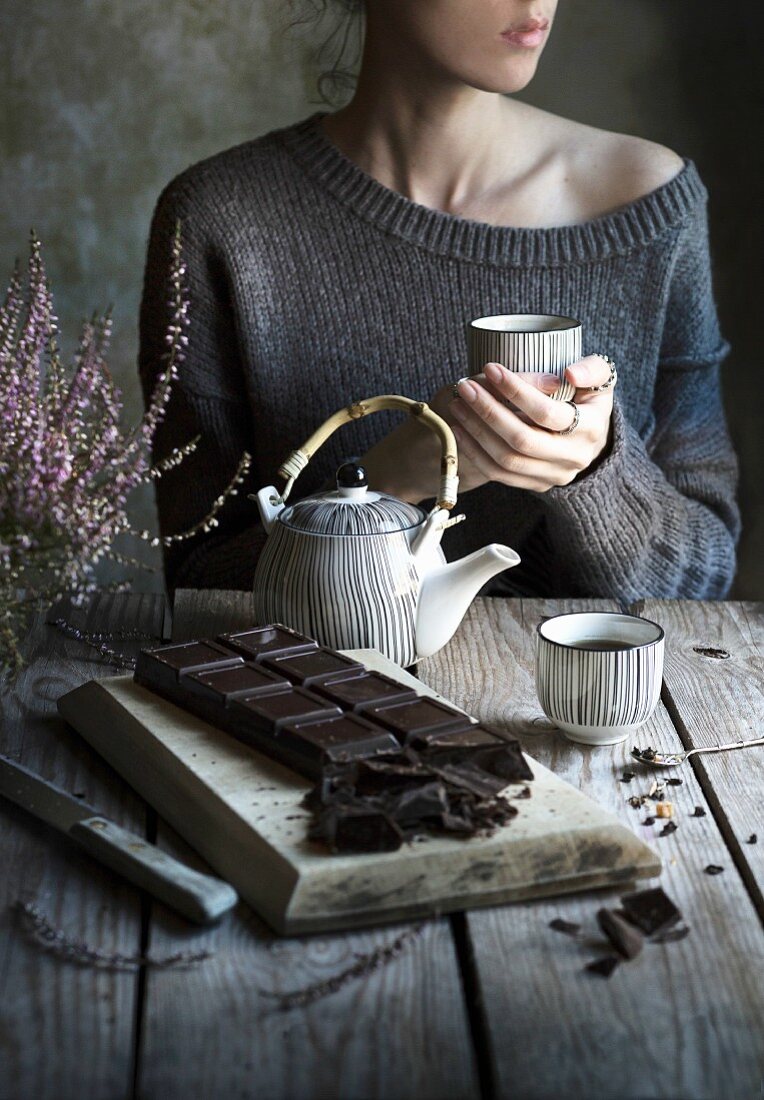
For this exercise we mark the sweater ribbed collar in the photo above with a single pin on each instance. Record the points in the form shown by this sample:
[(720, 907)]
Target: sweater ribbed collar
[(628, 228)]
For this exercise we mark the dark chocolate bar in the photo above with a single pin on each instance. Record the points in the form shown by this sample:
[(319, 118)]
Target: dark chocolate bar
[(267, 641), (311, 666), (359, 692), (417, 717)]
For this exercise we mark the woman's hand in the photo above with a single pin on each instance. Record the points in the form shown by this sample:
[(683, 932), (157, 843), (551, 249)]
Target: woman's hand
[(508, 429)]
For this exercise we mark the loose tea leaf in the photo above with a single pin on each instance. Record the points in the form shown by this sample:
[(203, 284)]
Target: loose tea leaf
[(651, 910), (713, 869), (569, 928), (698, 812), (752, 839), (669, 828), (604, 966), (675, 781), (627, 777)]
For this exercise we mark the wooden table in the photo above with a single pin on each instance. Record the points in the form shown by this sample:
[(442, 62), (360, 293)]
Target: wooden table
[(488, 1003)]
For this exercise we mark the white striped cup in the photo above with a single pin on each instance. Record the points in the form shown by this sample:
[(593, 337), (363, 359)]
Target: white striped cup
[(540, 342), (596, 695)]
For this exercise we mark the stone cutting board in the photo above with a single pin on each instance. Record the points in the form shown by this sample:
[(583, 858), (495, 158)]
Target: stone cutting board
[(242, 812)]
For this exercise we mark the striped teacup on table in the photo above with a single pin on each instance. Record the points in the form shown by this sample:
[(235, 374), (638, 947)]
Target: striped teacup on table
[(598, 674), (543, 343)]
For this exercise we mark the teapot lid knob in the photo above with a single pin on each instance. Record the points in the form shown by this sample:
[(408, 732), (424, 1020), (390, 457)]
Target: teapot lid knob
[(351, 475)]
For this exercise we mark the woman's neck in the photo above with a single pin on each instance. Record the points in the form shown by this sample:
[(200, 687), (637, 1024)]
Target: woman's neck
[(439, 144)]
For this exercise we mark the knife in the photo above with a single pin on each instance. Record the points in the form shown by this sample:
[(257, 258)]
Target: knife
[(201, 898)]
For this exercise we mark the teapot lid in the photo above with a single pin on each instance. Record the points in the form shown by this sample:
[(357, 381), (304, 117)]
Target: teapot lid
[(351, 509)]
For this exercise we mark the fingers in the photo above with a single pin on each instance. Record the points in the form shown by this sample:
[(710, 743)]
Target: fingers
[(593, 370), (538, 477), (509, 440), (547, 413)]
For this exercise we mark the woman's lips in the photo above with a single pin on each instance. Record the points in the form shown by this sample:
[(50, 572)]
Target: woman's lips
[(528, 35)]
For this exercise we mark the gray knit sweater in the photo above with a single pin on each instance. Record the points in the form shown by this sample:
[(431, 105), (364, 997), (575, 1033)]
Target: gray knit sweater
[(312, 285)]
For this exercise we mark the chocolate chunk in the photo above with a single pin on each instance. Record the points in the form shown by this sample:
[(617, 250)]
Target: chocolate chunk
[(625, 938), (669, 828), (416, 717), (357, 692), (604, 967), (311, 666), (161, 668), (651, 910), (418, 803), (752, 839), (336, 740), (471, 778), (567, 927), (378, 776), (713, 869), (267, 641), (350, 829), (698, 812), (671, 935), (223, 685)]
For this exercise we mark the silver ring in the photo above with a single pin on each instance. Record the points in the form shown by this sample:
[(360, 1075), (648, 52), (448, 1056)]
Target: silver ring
[(611, 380), (572, 427), (458, 384)]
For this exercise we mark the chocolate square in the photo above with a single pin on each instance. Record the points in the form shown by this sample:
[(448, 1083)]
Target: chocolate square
[(336, 740), (357, 829), (220, 686), (267, 641), (463, 740), (161, 668), (265, 714), (359, 692), (416, 717), (313, 665)]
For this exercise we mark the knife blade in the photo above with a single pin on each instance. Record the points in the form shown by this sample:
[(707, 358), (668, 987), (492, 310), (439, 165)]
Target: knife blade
[(201, 898)]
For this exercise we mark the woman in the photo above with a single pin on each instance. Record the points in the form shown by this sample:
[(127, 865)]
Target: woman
[(341, 258)]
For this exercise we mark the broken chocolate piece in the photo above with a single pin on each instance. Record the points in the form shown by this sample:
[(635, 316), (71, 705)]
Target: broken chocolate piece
[(567, 927), (604, 967), (713, 869), (311, 666), (651, 910), (354, 829), (671, 935), (625, 938)]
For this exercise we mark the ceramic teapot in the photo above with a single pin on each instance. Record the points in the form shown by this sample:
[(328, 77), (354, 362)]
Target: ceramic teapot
[(359, 569)]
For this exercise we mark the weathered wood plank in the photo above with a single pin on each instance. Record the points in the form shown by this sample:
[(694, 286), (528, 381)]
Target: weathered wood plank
[(676, 1021), (717, 699), (66, 1031), (399, 1032)]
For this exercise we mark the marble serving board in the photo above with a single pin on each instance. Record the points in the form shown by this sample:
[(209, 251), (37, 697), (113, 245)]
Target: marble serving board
[(242, 812)]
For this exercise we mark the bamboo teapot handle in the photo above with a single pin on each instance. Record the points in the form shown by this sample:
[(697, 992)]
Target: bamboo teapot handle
[(449, 479)]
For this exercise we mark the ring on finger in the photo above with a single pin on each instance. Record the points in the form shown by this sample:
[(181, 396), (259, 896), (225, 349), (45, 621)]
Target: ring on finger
[(576, 417), (457, 384), (611, 381)]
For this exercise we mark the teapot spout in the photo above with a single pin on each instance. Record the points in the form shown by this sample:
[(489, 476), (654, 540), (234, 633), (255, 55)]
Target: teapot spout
[(447, 591)]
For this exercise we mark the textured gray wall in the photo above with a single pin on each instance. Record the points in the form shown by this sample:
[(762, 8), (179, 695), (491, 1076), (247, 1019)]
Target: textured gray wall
[(105, 100)]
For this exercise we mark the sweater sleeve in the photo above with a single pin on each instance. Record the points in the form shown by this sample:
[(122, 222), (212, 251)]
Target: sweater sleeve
[(208, 399), (657, 517)]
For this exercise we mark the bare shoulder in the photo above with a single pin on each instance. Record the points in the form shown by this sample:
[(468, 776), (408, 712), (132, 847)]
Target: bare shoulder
[(609, 170), (601, 171)]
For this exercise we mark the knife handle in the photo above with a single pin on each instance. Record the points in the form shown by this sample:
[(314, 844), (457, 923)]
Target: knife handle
[(199, 897)]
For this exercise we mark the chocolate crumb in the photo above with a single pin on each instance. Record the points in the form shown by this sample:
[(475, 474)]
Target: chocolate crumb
[(713, 869), (604, 966), (625, 938), (752, 839), (668, 828), (567, 927), (698, 812), (627, 777)]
